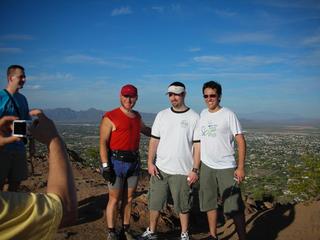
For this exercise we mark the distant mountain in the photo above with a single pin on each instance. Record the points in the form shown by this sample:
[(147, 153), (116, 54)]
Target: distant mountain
[(91, 115), (259, 119), (270, 118)]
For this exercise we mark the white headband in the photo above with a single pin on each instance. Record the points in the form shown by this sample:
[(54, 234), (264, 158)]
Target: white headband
[(175, 89)]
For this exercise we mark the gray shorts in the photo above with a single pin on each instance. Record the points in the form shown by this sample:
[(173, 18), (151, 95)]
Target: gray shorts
[(127, 182), (14, 165), (214, 181), (179, 188)]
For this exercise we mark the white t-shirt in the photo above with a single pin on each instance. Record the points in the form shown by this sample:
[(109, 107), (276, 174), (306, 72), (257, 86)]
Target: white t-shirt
[(217, 132), (177, 131)]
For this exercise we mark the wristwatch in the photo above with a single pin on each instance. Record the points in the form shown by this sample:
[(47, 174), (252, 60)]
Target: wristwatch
[(195, 170)]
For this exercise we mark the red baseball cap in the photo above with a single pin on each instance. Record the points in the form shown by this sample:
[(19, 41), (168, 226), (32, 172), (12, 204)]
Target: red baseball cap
[(129, 90)]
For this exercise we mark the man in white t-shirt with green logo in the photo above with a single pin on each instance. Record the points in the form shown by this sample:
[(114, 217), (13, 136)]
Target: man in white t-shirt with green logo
[(219, 128), (173, 159)]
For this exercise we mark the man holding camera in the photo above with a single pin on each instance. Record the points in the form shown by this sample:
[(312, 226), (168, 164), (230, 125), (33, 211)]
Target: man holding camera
[(38, 215), (119, 151), (12, 103)]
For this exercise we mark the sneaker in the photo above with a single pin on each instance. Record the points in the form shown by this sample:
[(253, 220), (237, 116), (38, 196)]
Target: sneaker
[(112, 236), (148, 235), (184, 236)]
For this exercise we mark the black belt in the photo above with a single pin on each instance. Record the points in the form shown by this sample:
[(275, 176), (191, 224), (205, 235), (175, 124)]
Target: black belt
[(126, 156)]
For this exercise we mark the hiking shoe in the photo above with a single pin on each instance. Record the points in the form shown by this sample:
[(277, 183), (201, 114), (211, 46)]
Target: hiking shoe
[(148, 235), (112, 236), (184, 236)]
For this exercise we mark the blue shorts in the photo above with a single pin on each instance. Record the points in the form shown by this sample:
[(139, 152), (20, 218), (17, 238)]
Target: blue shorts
[(125, 169), (127, 174)]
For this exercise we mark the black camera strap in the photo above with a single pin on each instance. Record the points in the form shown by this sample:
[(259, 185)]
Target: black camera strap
[(16, 109)]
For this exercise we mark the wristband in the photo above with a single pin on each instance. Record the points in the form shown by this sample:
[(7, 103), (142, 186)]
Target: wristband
[(104, 165)]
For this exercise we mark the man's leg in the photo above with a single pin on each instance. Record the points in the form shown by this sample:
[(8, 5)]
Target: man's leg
[(154, 216), (112, 206), (126, 205), (212, 222), (184, 221), (208, 196)]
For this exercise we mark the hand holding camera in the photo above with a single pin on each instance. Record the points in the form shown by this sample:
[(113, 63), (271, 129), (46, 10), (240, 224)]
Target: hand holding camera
[(5, 129), (43, 128), (108, 174)]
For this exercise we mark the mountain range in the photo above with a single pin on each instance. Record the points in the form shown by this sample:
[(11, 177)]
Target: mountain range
[(93, 115)]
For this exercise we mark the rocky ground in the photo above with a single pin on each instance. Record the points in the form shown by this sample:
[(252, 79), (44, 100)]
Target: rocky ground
[(264, 220)]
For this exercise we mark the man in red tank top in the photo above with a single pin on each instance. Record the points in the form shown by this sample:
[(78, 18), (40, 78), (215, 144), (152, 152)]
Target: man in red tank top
[(119, 151)]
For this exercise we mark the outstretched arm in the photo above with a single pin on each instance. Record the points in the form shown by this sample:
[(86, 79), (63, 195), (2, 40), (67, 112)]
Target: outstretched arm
[(60, 177)]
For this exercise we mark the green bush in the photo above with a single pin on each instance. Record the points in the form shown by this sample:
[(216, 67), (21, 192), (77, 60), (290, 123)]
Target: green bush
[(304, 178)]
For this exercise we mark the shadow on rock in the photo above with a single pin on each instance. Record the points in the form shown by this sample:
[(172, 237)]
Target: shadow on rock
[(91, 209), (268, 224)]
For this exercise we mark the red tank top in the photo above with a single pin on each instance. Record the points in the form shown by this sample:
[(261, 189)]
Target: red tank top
[(126, 137)]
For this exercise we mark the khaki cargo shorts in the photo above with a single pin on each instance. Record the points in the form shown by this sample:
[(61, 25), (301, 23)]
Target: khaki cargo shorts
[(178, 187), (216, 183)]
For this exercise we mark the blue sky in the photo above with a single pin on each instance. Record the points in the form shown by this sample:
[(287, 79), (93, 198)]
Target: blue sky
[(78, 54)]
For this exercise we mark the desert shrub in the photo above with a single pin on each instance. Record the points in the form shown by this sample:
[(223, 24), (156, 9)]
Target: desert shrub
[(304, 178)]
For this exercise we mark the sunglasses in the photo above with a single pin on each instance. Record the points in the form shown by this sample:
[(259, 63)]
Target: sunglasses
[(210, 95)]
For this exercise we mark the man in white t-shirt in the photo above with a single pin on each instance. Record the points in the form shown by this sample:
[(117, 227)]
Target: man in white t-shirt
[(219, 127), (175, 144)]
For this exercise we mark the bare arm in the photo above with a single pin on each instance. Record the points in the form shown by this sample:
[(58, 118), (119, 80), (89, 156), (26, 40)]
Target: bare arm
[(153, 145), (60, 177), (106, 127), (240, 171), (193, 176), (145, 129)]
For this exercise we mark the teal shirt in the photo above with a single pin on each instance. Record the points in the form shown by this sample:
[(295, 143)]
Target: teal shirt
[(7, 109)]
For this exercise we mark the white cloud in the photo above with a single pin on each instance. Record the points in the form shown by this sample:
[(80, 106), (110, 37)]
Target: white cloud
[(80, 58), (224, 13), (50, 77), (33, 87), (312, 4), (246, 38), (240, 61), (209, 59), (159, 9), (16, 37), (121, 11), (313, 40), (10, 50)]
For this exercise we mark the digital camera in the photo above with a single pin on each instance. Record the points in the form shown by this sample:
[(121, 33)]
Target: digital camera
[(21, 128)]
